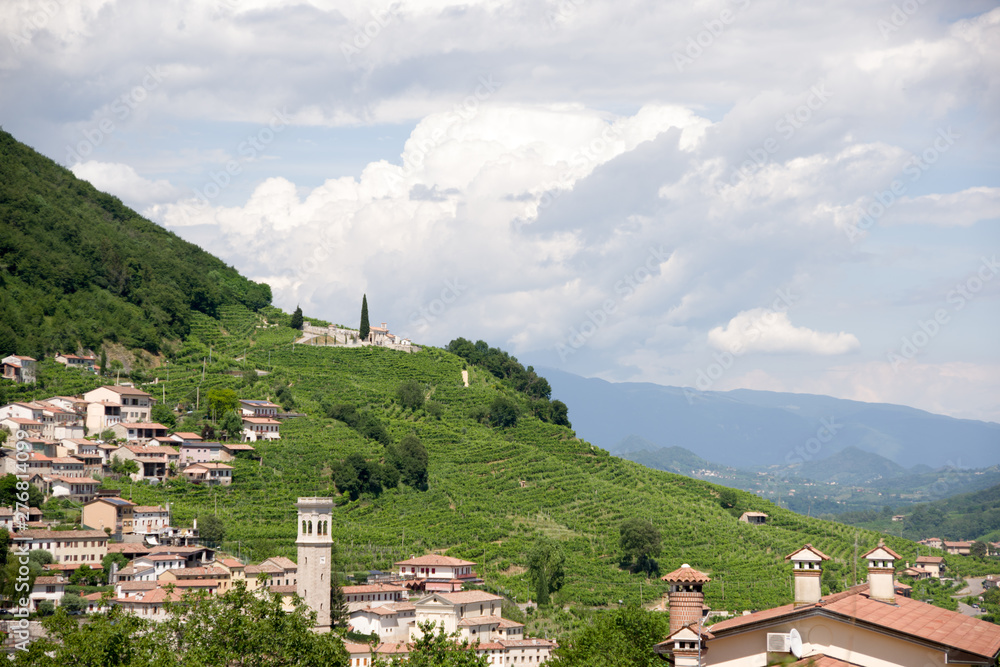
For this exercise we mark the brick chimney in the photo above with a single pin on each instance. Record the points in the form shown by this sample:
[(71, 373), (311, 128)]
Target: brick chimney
[(807, 569), (685, 596), (881, 568)]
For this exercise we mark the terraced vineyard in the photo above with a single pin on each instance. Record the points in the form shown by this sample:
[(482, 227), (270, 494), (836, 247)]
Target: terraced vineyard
[(491, 491)]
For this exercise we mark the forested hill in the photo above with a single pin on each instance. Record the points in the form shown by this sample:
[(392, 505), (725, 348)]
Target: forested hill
[(77, 267)]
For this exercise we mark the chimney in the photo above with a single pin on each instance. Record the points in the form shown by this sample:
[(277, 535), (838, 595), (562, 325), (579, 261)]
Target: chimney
[(881, 568), (807, 570), (685, 596)]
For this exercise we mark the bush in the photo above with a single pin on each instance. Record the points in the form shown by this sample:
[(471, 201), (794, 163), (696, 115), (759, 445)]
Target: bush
[(411, 395), (503, 412)]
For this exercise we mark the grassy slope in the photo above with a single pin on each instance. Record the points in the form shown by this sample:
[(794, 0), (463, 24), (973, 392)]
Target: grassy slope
[(476, 506)]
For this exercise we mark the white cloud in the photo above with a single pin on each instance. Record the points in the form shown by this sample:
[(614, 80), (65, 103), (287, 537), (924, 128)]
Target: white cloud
[(122, 181), (764, 330), (954, 209)]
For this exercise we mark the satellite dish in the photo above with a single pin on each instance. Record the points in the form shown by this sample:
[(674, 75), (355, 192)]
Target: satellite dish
[(795, 643)]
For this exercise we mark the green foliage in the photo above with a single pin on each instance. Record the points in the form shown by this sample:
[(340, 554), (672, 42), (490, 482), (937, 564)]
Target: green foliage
[(365, 328), (41, 557), (365, 423), (124, 466), (978, 549), (9, 492), (110, 559), (78, 267), (107, 435), (936, 592), (546, 568), (232, 424), (161, 414), (355, 476), (503, 412), (639, 541), (211, 528), (236, 628), (437, 649), (728, 498), (296, 322), (620, 638), (411, 395), (87, 576), (222, 402), (73, 603), (410, 458)]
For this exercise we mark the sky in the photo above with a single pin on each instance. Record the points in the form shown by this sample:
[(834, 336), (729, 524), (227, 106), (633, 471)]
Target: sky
[(717, 194)]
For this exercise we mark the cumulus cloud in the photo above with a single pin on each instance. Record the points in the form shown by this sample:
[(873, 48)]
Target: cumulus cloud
[(124, 182), (763, 330)]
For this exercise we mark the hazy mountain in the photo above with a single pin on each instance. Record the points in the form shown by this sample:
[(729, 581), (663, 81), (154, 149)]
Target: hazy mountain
[(748, 429)]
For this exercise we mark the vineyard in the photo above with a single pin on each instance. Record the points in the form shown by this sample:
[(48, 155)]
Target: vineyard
[(492, 491)]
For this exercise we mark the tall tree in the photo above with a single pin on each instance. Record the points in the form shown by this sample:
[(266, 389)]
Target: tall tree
[(546, 563), (297, 318), (640, 542), (365, 328)]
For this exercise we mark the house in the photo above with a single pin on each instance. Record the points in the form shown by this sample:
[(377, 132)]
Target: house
[(67, 466), (204, 452), (276, 571), (389, 621), (115, 514), (185, 436), (934, 565), (150, 519), (193, 555), (754, 518), (209, 578), (958, 548), (991, 581), (80, 489), (898, 517), (149, 604), (113, 404), (916, 572), (154, 462), (210, 473), (85, 362), (68, 546), (56, 421), (260, 428), (236, 569), (437, 573), (32, 427), (264, 409), (449, 610), (18, 368), (141, 432), (47, 589), (869, 625), (10, 520), (373, 593)]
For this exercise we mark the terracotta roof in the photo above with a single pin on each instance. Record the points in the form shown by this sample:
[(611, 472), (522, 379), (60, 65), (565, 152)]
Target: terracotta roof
[(156, 596), (686, 574), (811, 548), (137, 585), (507, 623), (372, 588), (526, 643), (75, 480), (126, 548), (355, 648), (210, 465), (67, 459), (479, 620), (49, 581), (960, 545), (489, 646), (434, 559), (63, 534), (822, 661), (196, 583), (882, 546), (21, 420), (382, 610), (126, 391), (930, 559), (239, 447), (231, 563), (282, 590), (467, 597), (281, 561), (199, 571), (392, 648), (167, 549), (260, 420), (187, 435), (918, 620), (149, 509)]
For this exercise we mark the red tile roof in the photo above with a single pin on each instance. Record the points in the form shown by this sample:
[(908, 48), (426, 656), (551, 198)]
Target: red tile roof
[(372, 588), (434, 559), (686, 574), (468, 597), (930, 559), (912, 618)]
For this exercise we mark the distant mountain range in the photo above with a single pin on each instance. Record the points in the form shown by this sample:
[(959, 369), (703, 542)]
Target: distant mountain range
[(755, 429)]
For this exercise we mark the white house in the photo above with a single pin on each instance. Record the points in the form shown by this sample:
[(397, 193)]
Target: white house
[(265, 409), (260, 428), (113, 404), (438, 573)]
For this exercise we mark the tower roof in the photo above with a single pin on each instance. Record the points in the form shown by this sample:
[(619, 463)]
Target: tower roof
[(881, 552), (686, 574), (808, 552)]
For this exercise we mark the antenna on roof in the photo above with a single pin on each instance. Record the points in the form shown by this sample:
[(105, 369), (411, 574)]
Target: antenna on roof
[(795, 643)]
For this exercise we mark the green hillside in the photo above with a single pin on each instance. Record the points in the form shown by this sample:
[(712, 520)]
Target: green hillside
[(492, 491), (77, 267)]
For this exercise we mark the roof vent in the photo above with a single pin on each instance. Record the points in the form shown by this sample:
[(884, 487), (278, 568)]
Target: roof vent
[(778, 642)]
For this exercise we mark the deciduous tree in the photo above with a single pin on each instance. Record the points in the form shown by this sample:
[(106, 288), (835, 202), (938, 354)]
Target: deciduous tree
[(546, 568), (640, 543)]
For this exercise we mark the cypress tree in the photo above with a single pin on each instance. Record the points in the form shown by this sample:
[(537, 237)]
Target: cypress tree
[(297, 318), (365, 328)]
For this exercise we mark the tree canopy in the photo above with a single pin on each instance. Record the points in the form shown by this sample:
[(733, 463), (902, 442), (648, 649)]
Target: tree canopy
[(297, 320), (546, 568), (639, 541), (364, 328), (621, 638)]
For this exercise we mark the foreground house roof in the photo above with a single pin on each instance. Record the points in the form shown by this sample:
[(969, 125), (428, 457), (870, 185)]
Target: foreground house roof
[(915, 620), (435, 560)]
